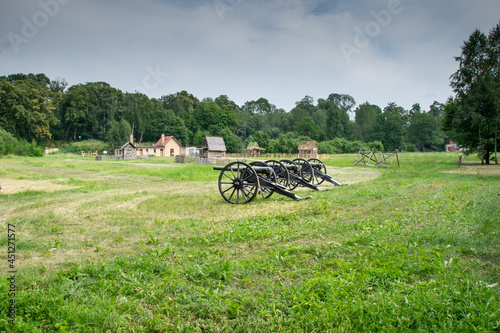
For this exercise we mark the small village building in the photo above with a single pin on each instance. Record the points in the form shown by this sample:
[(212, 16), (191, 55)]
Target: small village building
[(212, 150), (254, 150), (189, 151), (126, 152), (308, 149), (165, 146)]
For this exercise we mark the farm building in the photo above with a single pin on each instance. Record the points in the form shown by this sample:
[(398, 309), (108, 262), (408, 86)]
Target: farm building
[(308, 149), (254, 150), (127, 151), (165, 146), (212, 150), (189, 151)]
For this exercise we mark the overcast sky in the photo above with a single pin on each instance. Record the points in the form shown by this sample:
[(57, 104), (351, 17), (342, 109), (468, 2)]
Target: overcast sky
[(378, 51)]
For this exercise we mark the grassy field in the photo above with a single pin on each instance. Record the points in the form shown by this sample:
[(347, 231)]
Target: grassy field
[(151, 246)]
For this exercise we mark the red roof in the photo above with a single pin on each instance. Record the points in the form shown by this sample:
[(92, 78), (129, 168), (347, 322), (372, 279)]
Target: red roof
[(165, 140)]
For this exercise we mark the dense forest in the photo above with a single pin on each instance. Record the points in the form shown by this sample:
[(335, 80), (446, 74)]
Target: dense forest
[(34, 107)]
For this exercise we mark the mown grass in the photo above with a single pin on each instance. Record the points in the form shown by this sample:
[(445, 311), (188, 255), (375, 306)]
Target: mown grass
[(152, 247)]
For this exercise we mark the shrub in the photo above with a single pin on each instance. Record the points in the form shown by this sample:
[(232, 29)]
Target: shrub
[(354, 146), (8, 142), (24, 148), (10, 145), (375, 145), (86, 145)]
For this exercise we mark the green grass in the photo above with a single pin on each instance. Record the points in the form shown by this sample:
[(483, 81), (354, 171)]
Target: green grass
[(150, 246)]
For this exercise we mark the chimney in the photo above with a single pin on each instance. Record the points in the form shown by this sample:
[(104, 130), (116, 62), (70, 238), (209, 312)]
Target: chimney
[(162, 138), (131, 138)]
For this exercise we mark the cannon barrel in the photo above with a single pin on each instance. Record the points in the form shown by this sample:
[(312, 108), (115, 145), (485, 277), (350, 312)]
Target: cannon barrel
[(258, 169)]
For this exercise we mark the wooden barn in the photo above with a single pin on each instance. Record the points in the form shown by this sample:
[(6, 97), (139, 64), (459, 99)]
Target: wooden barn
[(308, 149), (254, 150), (212, 150), (126, 152)]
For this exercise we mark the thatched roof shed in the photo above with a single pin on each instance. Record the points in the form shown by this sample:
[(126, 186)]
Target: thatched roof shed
[(254, 150), (308, 149)]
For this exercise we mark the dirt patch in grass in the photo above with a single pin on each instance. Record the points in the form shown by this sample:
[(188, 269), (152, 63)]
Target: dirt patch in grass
[(352, 175), (473, 168), (11, 186)]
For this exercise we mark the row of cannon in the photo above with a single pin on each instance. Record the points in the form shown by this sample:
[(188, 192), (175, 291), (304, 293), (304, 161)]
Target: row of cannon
[(240, 183)]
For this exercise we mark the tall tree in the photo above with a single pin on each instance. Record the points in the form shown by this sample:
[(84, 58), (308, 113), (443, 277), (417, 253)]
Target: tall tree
[(210, 116), (390, 127), (474, 121), (337, 108), (424, 131), (26, 108), (365, 117)]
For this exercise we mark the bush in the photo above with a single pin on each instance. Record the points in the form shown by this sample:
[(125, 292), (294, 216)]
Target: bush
[(86, 145), (409, 147), (354, 146), (24, 148), (10, 145), (8, 142), (375, 145)]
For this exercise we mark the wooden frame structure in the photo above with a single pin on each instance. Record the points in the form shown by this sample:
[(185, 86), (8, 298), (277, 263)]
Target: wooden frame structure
[(254, 150), (308, 149), (212, 150), (383, 159)]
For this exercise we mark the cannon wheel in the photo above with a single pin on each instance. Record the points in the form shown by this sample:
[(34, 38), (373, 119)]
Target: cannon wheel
[(281, 172), (238, 186), (321, 168), (265, 192), (291, 184), (305, 169)]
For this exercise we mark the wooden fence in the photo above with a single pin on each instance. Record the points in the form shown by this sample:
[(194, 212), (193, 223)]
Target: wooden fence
[(275, 156)]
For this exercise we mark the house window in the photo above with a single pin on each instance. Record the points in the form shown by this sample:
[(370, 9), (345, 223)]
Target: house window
[(155, 151), (171, 152)]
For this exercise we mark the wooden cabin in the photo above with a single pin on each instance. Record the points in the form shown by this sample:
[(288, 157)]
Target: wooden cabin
[(212, 150), (126, 152), (308, 149)]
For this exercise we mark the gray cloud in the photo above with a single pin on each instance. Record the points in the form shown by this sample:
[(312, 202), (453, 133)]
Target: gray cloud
[(280, 50)]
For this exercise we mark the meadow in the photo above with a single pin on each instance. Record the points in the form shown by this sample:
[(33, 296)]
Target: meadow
[(151, 246)]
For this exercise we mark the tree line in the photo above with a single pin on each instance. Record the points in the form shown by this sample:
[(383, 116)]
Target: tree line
[(34, 107)]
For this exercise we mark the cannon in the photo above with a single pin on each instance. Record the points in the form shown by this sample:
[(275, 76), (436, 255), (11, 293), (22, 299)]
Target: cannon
[(318, 171), (303, 173), (240, 183), (300, 174)]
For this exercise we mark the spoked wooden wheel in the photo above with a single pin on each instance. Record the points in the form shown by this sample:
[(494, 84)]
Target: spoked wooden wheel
[(268, 175), (295, 170), (306, 169), (281, 172), (238, 183), (319, 166)]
